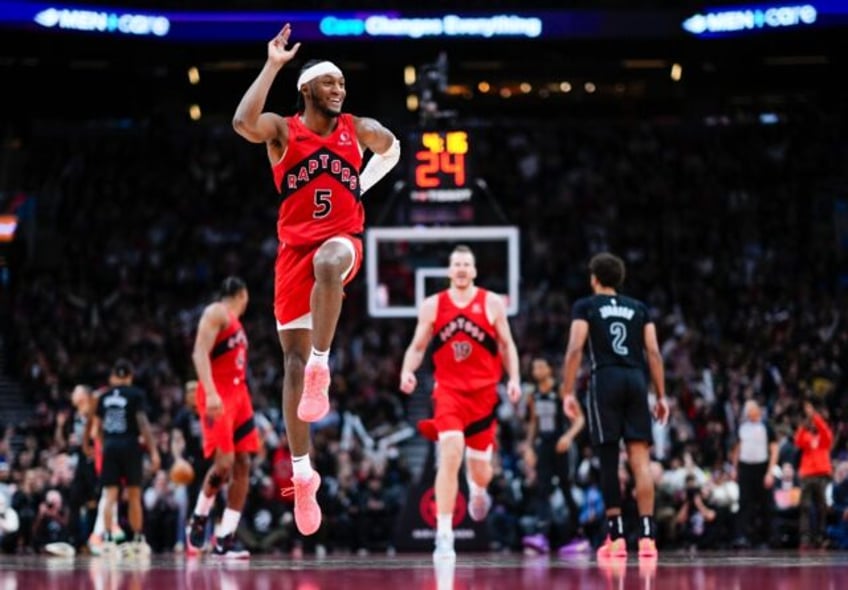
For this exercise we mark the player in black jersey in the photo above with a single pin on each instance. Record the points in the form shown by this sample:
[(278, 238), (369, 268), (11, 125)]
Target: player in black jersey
[(120, 419), (550, 438), (620, 336)]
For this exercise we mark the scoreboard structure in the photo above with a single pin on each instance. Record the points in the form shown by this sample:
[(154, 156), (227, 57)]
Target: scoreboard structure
[(440, 177), (403, 265), (444, 204)]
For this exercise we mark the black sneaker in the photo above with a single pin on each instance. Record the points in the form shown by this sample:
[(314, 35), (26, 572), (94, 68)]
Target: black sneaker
[(196, 534), (229, 548)]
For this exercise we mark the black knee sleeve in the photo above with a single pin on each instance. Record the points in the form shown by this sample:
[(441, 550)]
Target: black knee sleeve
[(215, 480), (608, 457)]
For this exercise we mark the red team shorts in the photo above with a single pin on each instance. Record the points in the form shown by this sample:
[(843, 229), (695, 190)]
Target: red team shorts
[(470, 412), (234, 430), (294, 277), (98, 456)]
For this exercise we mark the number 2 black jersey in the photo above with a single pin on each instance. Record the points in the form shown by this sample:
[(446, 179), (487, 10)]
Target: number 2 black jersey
[(616, 329)]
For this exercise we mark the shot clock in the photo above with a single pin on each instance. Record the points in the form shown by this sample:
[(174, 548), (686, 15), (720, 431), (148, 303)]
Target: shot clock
[(441, 178)]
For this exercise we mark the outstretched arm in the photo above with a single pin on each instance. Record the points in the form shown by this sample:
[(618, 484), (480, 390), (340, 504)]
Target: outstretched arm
[(415, 352), (249, 121), (386, 150)]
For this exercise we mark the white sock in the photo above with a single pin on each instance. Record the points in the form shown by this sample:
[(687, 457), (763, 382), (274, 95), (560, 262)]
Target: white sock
[(301, 467), (229, 522), (318, 356), (204, 504), (444, 524), (99, 525), (116, 524), (474, 489)]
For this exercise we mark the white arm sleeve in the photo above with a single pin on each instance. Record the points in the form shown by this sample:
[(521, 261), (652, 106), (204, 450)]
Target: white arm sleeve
[(378, 166)]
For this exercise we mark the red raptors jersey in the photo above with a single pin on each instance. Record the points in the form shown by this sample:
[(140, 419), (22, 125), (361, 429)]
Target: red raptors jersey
[(318, 179), (228, 360), (465, 345)]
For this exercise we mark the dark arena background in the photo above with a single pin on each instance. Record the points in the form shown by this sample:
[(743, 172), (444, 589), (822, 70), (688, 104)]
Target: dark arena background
[(705, 144)]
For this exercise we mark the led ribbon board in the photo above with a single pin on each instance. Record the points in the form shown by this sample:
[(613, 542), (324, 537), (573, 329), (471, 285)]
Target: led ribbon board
[(239, 26), (740, 20), (232, 26)]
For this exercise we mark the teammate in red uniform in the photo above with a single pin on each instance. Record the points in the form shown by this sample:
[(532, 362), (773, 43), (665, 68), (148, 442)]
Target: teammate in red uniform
[(472, 343), (315, 157), (226, 416)]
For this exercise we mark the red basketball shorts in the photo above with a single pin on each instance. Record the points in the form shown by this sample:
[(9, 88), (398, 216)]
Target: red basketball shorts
[(470, 412), (98, 456), (294, 278), (234, 430)]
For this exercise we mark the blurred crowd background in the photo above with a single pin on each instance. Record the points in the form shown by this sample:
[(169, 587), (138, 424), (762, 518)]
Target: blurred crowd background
[(734, 229)]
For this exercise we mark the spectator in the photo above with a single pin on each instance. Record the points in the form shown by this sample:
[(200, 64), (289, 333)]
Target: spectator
[(786, 509), (722, 495), (813, 438), (7, 488), (838, 531), (51, 523), (9, 525), (26, 502), (592, 512), (161, 513), (695, 519)]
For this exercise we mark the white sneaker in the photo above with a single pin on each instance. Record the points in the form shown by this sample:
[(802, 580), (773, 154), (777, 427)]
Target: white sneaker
[(136, 549), (444, 547), (142, 549), (108, 549)]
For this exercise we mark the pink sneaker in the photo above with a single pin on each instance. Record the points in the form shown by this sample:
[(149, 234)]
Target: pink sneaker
[(315, 400), (307, 512), (647, 549), (612, 549)]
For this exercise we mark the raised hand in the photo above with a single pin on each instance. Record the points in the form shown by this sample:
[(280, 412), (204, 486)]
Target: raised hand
[(277, 52)]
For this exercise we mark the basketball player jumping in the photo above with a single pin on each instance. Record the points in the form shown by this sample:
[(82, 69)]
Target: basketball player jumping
[(315, 158)]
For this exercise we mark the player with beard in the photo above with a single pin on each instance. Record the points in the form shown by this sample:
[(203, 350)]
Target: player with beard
[(471, 345)]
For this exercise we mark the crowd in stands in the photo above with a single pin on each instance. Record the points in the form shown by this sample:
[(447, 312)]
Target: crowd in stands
[(729, 236)]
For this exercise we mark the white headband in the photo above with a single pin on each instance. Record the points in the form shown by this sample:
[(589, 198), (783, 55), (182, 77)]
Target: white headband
[(319, 69)]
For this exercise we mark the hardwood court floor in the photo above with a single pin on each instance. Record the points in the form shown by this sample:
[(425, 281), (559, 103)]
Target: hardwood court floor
[(705, 571)]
